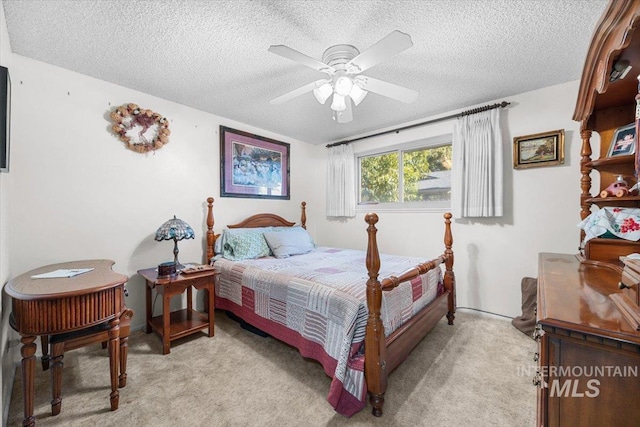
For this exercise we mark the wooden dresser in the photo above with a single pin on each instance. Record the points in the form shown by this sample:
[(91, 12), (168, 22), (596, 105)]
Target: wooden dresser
[(588, 354)]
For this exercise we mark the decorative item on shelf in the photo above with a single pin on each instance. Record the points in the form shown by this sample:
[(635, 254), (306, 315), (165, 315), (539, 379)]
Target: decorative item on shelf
[(623, 142), (618, 188), (612, 223), (142, 130), (175, 229), (540, 149), (619, 70)]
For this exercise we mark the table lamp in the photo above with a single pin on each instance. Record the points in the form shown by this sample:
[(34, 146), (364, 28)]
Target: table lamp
[(175, 229)]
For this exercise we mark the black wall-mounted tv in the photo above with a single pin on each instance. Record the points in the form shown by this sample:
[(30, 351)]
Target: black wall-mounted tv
[(5, 115)]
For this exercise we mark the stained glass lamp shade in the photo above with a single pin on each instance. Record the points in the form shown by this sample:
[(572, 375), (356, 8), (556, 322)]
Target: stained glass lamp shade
[(175, 229)]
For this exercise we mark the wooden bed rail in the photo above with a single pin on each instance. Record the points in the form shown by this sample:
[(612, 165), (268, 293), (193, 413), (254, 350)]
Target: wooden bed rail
[(392, 282)]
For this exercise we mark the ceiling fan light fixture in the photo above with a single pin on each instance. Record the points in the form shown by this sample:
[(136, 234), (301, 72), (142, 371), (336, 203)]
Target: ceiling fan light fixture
[(338, 103), (323, 93), (357, 94), (343, 85), (343, 64)]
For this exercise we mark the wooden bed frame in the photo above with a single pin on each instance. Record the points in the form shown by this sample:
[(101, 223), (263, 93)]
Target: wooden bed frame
[(382, 355)]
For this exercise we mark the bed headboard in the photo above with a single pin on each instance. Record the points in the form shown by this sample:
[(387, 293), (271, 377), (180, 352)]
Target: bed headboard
[(263, 220), (254, 221)]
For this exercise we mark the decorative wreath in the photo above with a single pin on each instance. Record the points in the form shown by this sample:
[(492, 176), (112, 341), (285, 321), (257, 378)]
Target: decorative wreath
[(142, 130)]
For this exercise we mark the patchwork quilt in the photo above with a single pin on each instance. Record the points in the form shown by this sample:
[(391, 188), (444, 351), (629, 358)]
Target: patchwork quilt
[(317, 303)]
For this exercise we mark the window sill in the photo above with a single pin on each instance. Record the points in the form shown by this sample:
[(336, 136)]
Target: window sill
[(401, 209)]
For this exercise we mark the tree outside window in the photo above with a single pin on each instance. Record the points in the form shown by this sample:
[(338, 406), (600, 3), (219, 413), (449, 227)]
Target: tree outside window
[(406, 176)]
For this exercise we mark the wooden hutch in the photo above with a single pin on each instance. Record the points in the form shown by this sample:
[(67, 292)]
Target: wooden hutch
[(589, 351), (603, 107)]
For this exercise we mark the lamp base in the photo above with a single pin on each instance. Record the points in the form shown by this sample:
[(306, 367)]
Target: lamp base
[(175, 256)]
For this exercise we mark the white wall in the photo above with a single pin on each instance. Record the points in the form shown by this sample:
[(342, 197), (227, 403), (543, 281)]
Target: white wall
[(491, 255), (74, 183), (6, 333), (78, 193)]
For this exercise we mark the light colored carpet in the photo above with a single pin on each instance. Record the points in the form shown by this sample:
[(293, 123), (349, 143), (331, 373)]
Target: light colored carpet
[(467, 374)]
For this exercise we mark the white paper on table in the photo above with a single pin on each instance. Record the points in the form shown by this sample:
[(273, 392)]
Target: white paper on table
[(63, 272)]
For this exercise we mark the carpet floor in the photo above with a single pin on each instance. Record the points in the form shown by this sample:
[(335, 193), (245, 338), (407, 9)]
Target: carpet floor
[(475, 373)]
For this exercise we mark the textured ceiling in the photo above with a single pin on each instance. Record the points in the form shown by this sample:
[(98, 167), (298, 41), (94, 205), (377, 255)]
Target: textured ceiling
[(212, 55)]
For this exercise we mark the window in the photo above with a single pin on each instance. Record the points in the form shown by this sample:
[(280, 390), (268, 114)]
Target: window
[(416, 175)]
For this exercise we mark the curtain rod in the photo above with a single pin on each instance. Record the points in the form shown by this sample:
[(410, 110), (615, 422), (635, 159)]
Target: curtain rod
[(440, 119)]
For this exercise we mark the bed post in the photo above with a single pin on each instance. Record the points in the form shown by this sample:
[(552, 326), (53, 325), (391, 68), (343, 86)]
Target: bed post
[(303, 215), (375, 345), (449, 278), (211, 236)]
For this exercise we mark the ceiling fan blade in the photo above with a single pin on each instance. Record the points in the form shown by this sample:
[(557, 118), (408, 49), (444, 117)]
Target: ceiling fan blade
[(297, 92), (294, 55), (392, 44), (387, 89), (347, 115)]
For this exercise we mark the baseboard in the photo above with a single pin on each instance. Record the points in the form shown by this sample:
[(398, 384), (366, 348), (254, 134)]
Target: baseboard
[(7, 384), (485, 313)]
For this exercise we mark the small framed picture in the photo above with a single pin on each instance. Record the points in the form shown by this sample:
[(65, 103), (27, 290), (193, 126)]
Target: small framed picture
[(624, 141), (540, 149)]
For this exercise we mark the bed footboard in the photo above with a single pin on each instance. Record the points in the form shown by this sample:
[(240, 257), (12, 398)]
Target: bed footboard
[(382, 354), (377, 364)]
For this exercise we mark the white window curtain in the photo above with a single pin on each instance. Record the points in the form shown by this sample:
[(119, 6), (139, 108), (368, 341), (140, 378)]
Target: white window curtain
[(477, 163), (341, 197)]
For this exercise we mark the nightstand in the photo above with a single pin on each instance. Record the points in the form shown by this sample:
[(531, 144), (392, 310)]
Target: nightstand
[(180, 323)]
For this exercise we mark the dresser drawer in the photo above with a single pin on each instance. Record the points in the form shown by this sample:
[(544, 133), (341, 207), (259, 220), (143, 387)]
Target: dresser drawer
[(609, 250)]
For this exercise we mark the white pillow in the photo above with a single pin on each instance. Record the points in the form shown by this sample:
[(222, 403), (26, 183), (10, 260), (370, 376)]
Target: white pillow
[(287, 242)]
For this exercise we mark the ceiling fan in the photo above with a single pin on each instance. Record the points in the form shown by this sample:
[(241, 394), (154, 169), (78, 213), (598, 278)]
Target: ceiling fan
[(343, 64)]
